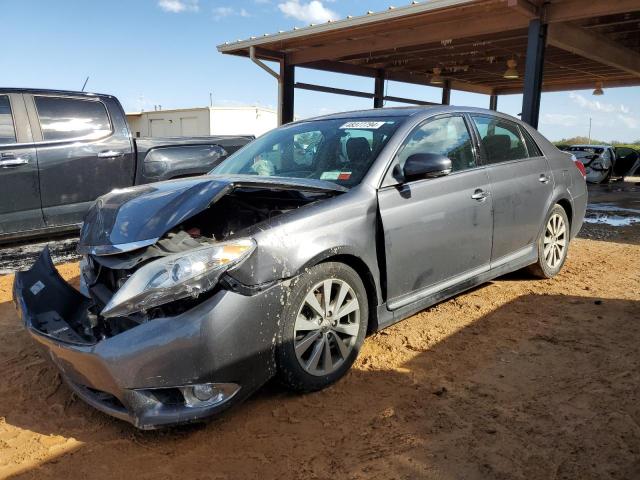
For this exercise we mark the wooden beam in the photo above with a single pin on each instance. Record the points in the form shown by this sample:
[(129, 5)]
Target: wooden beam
[(593, 46), (568, 10), (524, 7), (406, 38), (564, 86), (404, 77)]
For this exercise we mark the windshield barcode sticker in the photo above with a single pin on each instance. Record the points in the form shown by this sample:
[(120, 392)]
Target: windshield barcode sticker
[(37, 287), (362, 125)]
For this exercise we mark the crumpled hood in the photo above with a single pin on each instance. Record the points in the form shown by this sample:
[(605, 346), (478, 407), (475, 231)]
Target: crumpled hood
[(131, 218)]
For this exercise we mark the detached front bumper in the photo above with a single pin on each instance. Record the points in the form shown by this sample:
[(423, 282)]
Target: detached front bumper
[(140, 375)]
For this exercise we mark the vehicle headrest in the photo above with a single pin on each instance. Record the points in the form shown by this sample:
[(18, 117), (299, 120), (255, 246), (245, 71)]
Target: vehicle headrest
[(358, 150), (497, 146)]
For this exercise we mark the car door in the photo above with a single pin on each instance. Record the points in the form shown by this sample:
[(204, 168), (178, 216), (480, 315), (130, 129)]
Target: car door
[(20, 191), (437, 231), (82, 153), (626, 158), (521, 186)]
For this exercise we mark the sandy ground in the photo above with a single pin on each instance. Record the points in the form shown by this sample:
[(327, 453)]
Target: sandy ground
[(517, 379)]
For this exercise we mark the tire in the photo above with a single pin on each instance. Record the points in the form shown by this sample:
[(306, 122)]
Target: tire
[(308, 354), (552, 244)]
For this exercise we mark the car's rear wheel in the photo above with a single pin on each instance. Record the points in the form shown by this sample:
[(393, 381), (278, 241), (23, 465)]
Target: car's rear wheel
[(553, 244), (323, 327)]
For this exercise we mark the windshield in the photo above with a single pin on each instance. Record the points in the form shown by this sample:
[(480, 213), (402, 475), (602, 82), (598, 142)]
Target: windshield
[(337, 150)]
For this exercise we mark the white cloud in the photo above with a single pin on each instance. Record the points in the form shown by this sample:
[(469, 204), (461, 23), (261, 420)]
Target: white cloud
[(563, 119), (178, 6), (609, 114), (629, 121), (596, 105), (222, 12), (311, 12)]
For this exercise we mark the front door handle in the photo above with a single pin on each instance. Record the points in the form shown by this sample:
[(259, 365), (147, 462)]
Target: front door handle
[(543, 178), (9, 160), (110, 154), (480, 195)]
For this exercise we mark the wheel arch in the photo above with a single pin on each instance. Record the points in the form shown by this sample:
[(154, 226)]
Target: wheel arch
[(364, 272), (568, 208)]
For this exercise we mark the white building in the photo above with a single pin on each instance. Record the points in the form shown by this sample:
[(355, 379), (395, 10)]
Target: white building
[(199, 121)]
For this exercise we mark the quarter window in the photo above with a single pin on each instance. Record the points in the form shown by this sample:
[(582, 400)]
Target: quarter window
[(532, 147), (447, 136), (7, 130), (70, 118), (501, 139)]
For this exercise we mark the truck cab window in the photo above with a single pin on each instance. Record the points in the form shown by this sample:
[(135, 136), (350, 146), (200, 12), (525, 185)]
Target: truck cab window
[(7, 129), (70, 118)]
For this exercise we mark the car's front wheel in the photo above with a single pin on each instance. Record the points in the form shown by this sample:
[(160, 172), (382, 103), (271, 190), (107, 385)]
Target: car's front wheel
[(323, 326), (553, 244)]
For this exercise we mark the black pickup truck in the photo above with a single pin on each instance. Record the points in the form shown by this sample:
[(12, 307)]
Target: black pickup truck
[(60, 150)]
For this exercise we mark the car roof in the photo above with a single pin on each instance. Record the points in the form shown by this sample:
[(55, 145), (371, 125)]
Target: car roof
[(49, 91), (391, 112), (591, 145)]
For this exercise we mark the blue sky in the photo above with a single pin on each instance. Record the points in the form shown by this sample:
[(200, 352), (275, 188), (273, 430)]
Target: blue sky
[(150, 52)]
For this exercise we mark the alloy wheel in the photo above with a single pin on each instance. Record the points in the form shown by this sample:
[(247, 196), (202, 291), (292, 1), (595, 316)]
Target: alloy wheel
[(326, 326), (555, 241)]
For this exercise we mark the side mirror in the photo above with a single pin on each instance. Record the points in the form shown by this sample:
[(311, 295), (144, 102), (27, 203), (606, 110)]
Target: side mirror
[(426, 165)]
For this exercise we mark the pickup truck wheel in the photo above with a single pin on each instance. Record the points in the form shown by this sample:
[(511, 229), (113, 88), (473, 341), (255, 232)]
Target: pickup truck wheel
[(323, 327), (553, 244)]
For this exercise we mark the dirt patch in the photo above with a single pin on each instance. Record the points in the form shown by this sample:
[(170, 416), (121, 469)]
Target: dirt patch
[(515, 379)]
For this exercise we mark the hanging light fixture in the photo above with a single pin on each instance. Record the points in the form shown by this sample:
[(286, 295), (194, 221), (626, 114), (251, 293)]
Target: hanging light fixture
[(598, 90), (436, 79), (511, 73)]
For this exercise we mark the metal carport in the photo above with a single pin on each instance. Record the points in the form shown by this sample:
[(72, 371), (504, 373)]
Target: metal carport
[(493, 47)]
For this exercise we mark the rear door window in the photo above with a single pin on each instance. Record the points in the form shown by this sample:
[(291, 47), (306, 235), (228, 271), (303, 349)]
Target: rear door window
[(501, 139), (7, 128), (71, 118)]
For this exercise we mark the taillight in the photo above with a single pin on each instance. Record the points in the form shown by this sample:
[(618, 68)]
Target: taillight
[(580, 166)]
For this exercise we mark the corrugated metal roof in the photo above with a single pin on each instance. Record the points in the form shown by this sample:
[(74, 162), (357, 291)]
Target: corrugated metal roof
[(369, 18)]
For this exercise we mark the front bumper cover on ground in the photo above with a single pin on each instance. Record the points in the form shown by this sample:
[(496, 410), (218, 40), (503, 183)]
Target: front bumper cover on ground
[(229, 338)]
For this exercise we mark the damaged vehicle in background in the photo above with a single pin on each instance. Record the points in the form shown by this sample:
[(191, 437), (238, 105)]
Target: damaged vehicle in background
[(197, 291), (598, 160)]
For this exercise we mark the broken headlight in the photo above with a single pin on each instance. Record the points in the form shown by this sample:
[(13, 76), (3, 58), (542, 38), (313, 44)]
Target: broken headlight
[(177, 276)]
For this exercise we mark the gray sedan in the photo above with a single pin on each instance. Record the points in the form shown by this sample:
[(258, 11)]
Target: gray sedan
[(197, 291)]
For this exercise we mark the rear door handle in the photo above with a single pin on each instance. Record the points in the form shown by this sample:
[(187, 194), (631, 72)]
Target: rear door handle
[(543, 178), (110, 154), (480, 195), (9, 160)]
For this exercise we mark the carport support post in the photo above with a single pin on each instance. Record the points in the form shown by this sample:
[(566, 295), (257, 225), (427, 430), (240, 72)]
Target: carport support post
[(536, 44), (446, 93), (493, 102), (378, 91), (286, 83)]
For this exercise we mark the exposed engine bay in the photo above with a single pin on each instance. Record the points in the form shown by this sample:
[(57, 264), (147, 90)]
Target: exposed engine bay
[(104, 275)]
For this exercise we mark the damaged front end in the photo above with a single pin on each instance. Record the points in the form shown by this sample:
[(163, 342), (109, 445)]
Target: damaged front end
[(162, 333)]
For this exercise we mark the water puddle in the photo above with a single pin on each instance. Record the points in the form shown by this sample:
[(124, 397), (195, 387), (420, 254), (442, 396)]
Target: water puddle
[(610, 207), (613, 220)]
